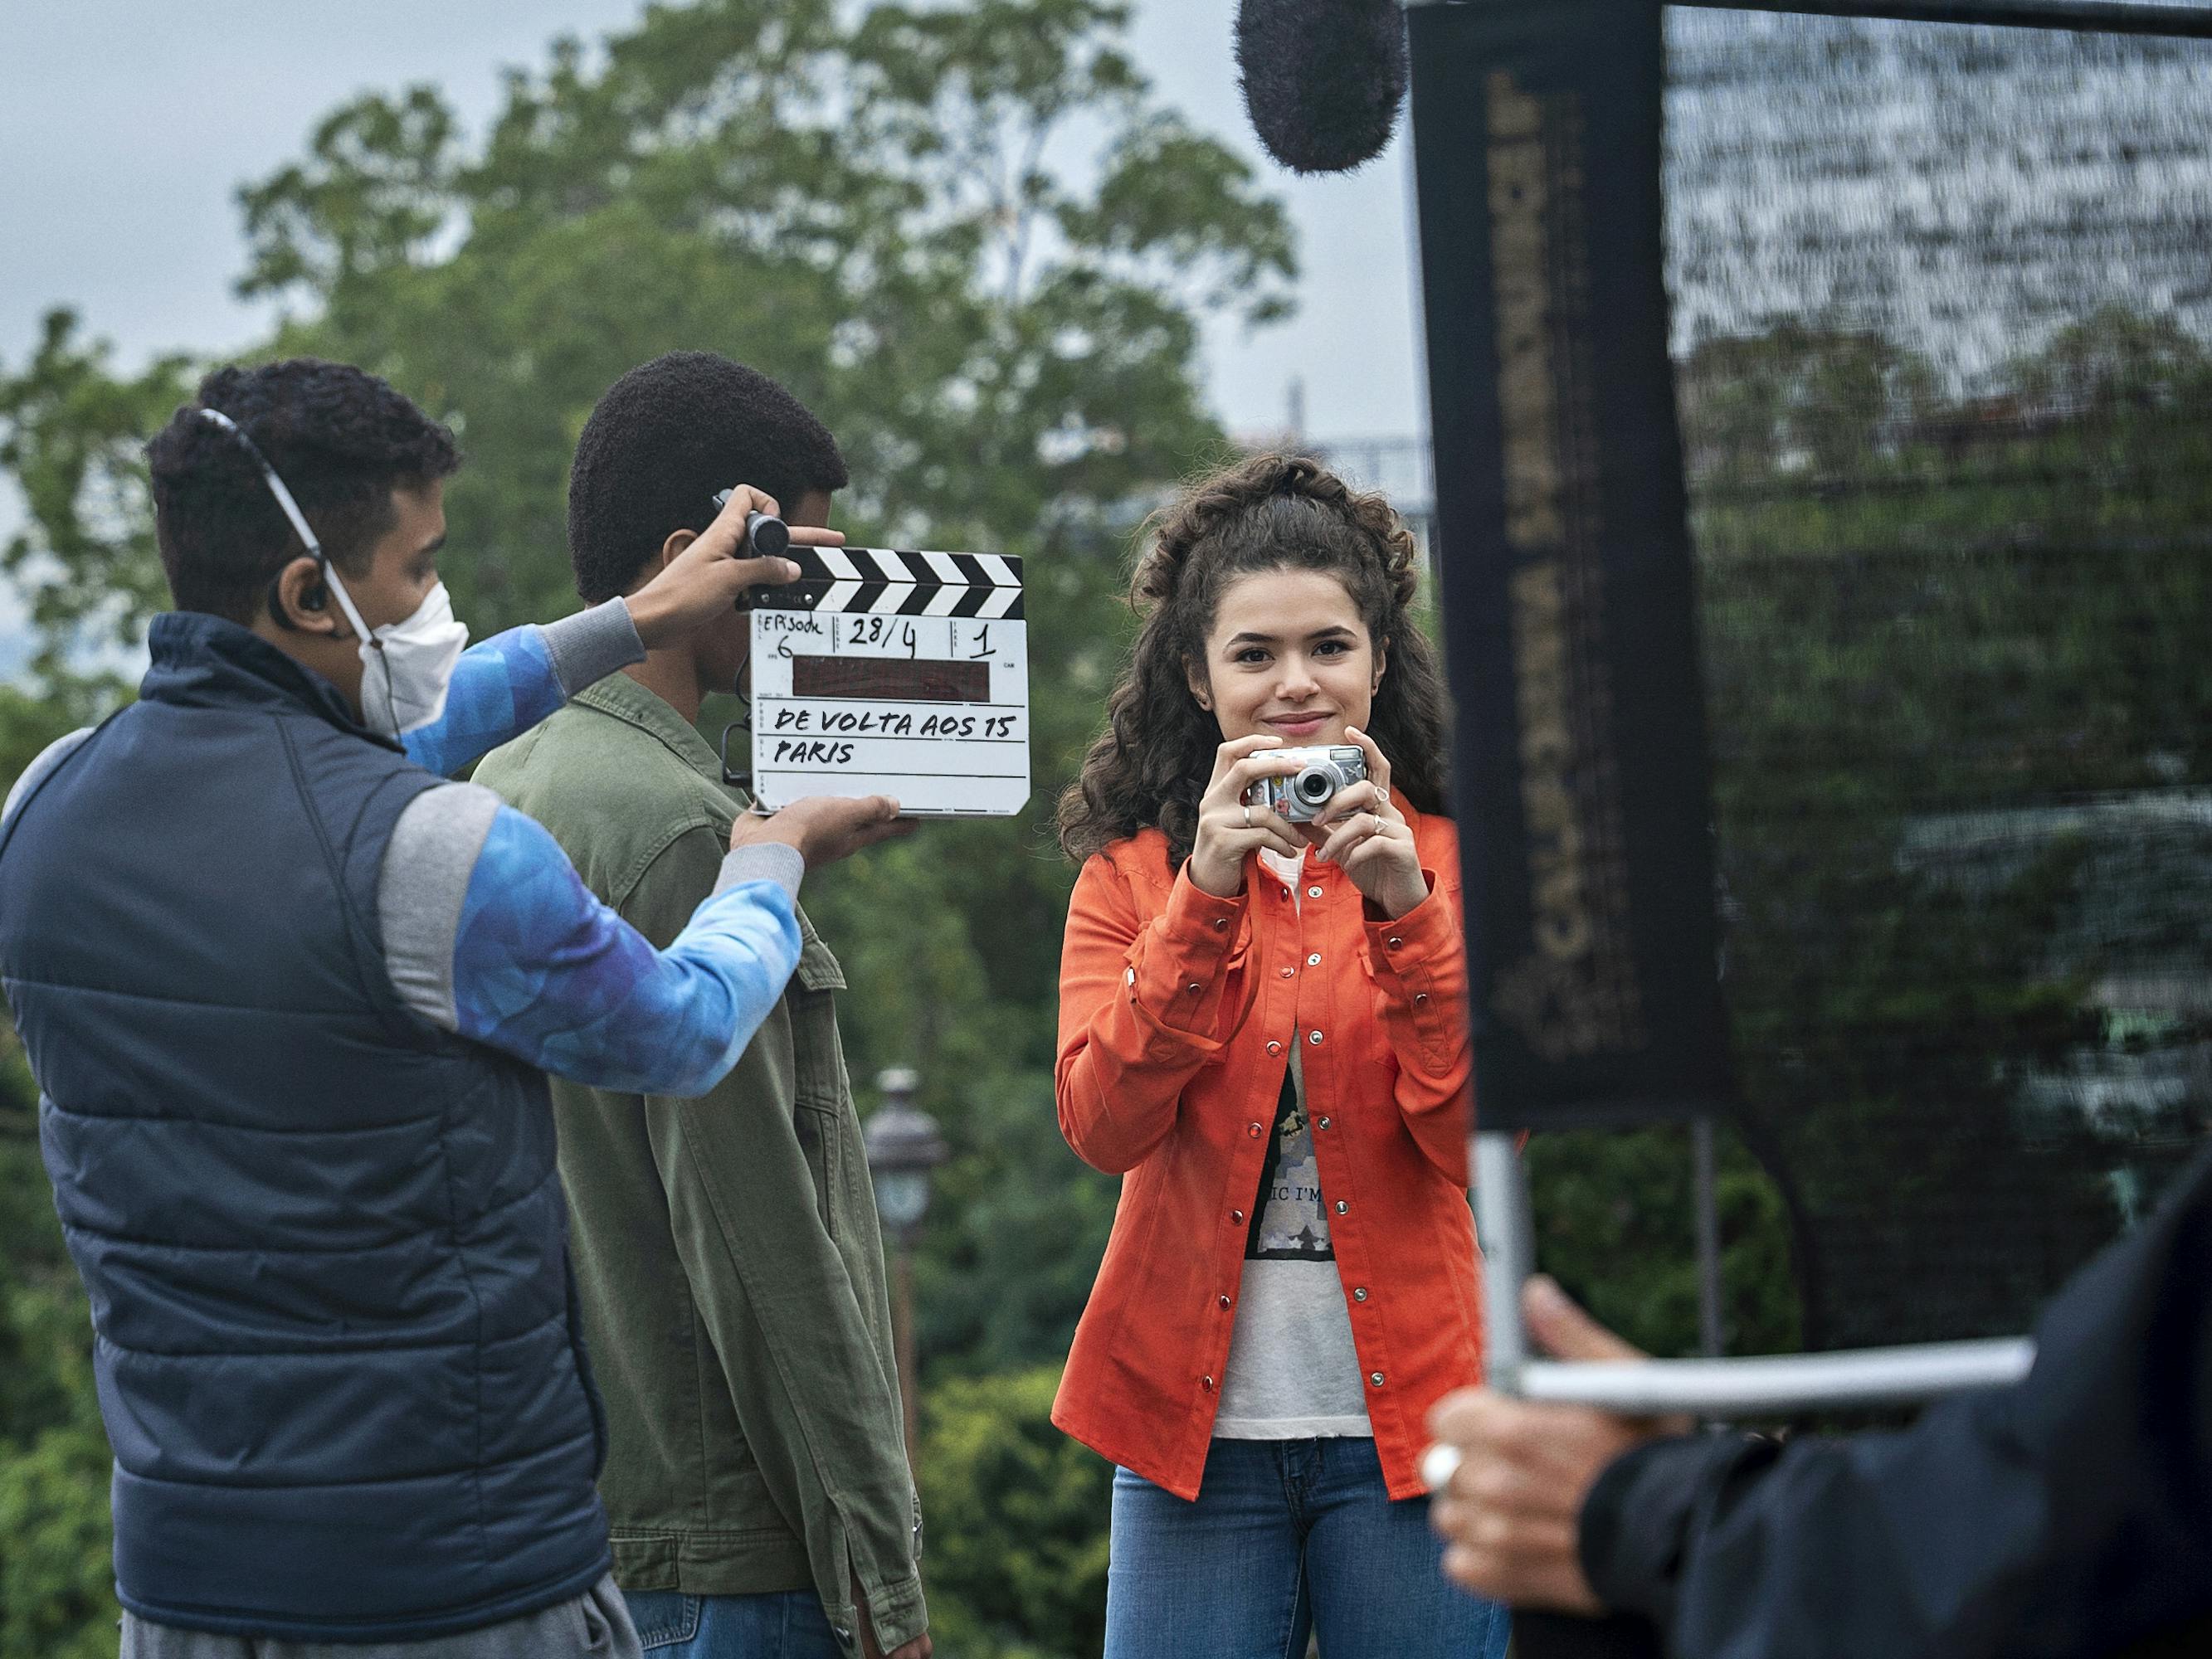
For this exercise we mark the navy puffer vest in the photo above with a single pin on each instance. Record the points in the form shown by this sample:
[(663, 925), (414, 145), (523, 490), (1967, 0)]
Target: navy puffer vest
[(338, 1354)]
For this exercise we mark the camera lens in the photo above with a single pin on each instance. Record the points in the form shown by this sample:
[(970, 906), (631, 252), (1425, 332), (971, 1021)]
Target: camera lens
[(1315, 785)]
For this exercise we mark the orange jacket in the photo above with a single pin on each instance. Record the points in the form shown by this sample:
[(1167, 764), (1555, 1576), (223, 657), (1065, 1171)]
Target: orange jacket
[(1176, 1009)]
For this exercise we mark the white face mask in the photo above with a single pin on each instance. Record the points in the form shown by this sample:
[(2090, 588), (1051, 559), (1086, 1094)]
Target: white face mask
[(406, 667)]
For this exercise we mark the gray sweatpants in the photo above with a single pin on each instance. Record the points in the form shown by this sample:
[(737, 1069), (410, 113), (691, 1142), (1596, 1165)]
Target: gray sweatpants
[(593, 1625)]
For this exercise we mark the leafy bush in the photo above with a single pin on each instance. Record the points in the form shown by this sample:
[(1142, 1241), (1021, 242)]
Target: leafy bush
[(1016, 1561)]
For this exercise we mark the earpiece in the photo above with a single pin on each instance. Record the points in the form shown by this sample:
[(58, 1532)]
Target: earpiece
[(313, 597)]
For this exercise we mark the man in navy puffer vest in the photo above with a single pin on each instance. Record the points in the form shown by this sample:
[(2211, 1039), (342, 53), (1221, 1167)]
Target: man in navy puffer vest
[(289, 997)]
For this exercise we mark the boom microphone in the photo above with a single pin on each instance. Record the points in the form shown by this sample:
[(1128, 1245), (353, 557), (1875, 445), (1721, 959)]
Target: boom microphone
[(1322, 78)]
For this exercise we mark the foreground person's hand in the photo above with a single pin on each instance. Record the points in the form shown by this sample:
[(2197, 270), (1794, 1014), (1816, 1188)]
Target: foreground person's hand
[(700, 584), (1511, 1512), (824, 827)]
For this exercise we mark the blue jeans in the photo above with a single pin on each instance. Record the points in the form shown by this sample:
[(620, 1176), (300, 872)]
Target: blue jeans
[(1287, 1538), (788, 1624)]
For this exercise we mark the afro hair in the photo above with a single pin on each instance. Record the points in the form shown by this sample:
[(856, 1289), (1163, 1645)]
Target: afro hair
[(662, 442)]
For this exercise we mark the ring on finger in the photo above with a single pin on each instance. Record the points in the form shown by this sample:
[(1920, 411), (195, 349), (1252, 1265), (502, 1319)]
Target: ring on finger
[(1248, 815)]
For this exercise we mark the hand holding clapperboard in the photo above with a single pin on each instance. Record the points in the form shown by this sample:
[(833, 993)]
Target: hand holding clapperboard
[(882, 673)]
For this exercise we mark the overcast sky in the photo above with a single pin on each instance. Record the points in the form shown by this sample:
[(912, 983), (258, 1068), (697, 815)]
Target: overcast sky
[(125, 126)]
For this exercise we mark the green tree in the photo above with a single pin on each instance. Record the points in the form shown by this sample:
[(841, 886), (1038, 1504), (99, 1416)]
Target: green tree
[(1950, 657), (55, 1594), (1796, 401), (1615, 1219), (970, 238), (967, 236), (1932, 622), (1017, 1547), (71, 433), (56, 1590)]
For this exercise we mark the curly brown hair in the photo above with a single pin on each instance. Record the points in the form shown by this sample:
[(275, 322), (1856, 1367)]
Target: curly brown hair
[(1268, 512)]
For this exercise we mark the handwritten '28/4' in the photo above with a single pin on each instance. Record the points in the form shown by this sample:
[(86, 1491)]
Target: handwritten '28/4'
[(899, 633)]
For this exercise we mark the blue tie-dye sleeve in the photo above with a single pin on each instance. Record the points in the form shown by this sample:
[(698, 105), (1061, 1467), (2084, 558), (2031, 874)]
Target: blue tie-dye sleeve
[(544, 971), (500, 690)]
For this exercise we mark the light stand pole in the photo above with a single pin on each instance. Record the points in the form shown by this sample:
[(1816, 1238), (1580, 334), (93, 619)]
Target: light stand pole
[(904, 1149)]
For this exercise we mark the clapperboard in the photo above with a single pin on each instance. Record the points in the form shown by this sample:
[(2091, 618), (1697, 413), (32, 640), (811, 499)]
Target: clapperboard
[(893, 674)]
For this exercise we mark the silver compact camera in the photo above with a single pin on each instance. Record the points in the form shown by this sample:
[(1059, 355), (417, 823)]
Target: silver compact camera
[(1304, 795)]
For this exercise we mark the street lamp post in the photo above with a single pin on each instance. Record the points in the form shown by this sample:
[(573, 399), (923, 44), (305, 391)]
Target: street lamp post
[(904, 1149)]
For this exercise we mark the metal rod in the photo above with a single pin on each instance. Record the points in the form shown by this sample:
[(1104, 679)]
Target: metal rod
[(2085, 16), (1707, 1184), (1502, 1228), (1781, 1383)]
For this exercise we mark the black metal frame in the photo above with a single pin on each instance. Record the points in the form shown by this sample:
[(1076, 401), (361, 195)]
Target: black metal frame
[(1782, 1383), (2090, 17)]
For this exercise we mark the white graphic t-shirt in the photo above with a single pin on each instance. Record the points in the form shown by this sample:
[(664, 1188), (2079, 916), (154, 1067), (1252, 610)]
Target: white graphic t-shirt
[(1293, 1373)]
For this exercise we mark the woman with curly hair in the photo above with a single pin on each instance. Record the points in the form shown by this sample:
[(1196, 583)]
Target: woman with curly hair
[(1261, 1029)]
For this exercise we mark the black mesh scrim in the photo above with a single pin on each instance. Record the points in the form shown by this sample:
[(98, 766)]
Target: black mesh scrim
[(1943, 329)]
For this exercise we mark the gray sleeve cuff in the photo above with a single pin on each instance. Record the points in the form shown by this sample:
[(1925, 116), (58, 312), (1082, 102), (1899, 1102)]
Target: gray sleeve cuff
[(428, 862), (764, 861), (592, 644)]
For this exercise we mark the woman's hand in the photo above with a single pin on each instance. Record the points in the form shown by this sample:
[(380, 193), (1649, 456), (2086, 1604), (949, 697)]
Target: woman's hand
[(1370, 839), (1228, 828)]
